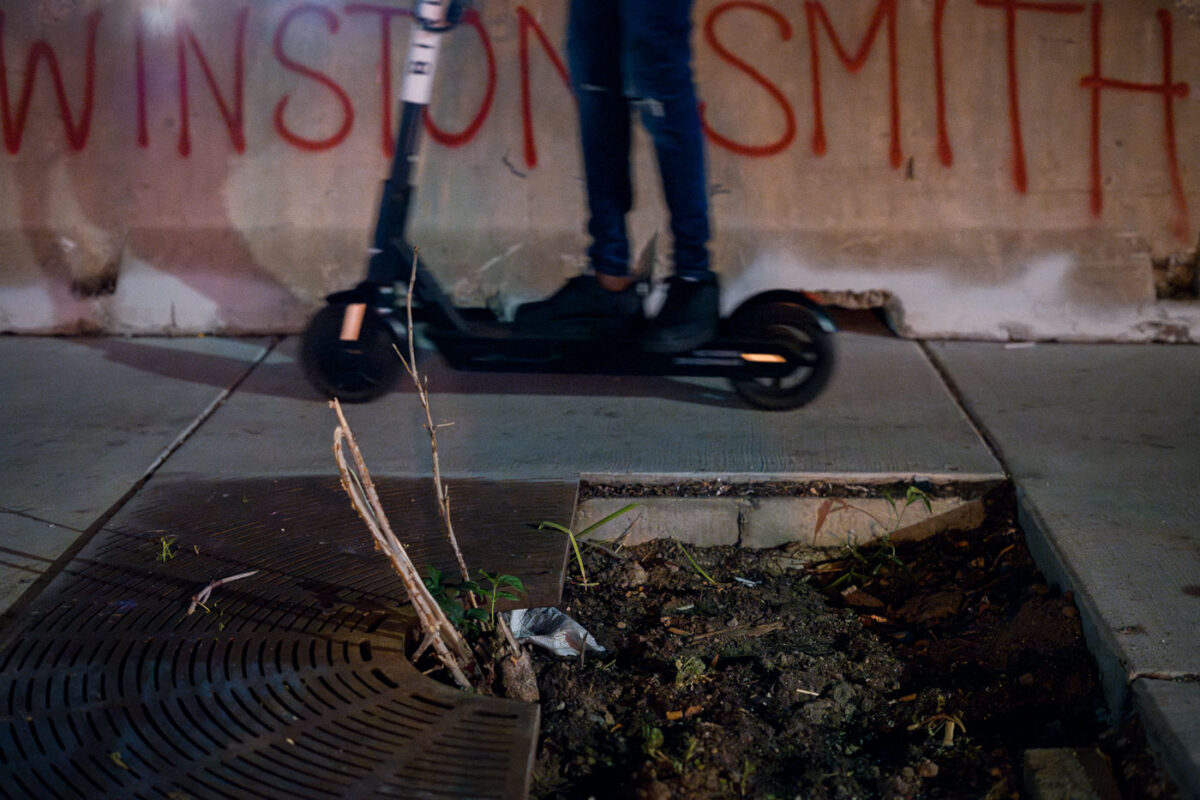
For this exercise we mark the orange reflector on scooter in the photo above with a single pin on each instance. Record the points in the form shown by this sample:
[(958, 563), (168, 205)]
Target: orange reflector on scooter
[(763, 358), (352, 322)]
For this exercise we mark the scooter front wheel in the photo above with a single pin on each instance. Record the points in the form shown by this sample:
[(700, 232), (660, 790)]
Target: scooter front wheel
[(810, 353), (352, 371)]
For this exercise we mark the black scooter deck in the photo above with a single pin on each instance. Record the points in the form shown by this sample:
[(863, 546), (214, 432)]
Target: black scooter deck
[(499, 348)]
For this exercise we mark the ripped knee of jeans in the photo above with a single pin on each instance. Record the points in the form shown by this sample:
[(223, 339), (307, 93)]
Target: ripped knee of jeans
[(650, 106)]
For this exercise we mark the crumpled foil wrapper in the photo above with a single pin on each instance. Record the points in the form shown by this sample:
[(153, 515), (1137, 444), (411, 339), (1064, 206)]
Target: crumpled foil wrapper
[(552, 630)]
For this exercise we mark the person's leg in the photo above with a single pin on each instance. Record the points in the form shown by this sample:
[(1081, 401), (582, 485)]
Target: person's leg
[(594, 47), (607, 304), (659, 74)]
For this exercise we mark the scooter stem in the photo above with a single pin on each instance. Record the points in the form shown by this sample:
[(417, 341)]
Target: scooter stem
[(421, 62), (388, 262)]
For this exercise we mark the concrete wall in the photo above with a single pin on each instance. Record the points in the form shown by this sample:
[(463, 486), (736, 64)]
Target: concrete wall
[(997, 170)]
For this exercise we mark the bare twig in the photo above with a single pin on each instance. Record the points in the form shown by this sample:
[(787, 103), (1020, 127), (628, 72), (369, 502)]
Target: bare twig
[(440, 633), (422, 386), (201, 597), (745, 631)]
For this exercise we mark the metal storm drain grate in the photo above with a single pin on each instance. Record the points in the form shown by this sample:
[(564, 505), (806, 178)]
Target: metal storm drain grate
[(290, 683)]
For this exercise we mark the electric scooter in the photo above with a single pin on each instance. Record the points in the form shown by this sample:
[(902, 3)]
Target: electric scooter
[(775, 348)]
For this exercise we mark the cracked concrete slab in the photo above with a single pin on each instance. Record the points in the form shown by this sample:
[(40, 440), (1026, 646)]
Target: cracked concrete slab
[(1100, 440), (85, 418), (1103, 443), (819, 521), (884, 412), (84, 421), (1171, 711), (27, 549)]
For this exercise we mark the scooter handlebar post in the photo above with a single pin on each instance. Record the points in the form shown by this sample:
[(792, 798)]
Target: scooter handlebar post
[(433, 18)]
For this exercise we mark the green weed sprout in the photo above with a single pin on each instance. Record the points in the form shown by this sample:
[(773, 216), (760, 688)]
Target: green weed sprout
[(450, 595), (695, 566), (446, 594), (912, 496), (868, 568), (575, 537), (501, 587)]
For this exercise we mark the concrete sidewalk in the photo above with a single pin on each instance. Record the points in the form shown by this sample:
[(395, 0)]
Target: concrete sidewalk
[(1101, 441)]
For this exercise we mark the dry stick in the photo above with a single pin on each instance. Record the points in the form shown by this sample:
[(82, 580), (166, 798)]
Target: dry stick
[(441, 491), (748, 631), (201, 597), (410, 366), (447, 643)]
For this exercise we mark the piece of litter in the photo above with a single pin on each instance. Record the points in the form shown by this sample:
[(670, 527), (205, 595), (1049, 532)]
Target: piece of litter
[(552, 630), (746, 581)]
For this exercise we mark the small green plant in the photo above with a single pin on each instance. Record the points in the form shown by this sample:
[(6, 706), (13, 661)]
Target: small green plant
[(500, 587), (912, 496), (699, 569), (868, 563), (166, 551), (689, 671), (448, 595), (748, 770), (575, 537), (652, 746), (652, 741), (455, 602)]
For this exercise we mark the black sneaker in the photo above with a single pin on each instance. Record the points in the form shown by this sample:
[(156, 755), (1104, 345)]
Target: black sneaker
[(583, 310), (688, 317)]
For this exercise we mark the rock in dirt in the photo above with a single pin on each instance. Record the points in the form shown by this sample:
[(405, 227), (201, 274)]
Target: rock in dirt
[(931, 609), (1068, 773), (518, 677), (857, 598)]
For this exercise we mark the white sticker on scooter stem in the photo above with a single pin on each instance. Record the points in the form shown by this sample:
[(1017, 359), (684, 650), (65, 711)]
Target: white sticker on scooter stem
[(421, 62)]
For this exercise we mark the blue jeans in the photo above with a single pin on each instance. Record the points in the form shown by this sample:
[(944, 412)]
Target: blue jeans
[(627, 54)]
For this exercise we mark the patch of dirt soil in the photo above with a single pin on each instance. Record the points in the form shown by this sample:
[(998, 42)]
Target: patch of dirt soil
[(923, 671)]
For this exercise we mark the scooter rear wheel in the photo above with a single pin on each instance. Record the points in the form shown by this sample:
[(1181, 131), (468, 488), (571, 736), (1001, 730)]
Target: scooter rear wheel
[(797, 330), (355, 371)]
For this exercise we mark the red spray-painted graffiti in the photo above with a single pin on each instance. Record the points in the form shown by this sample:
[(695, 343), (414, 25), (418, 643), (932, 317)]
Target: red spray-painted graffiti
[(527, 22), (386, 14), (332, 22), (1011, 7), (1169, 91), (233, 113), (945, 151), (224, 75), (77, 130), (789, 116), (886, 10)]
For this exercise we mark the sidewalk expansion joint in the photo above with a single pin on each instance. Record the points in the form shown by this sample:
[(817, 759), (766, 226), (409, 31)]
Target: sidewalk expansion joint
[(34, 518), (956, 394), (17, 608)]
